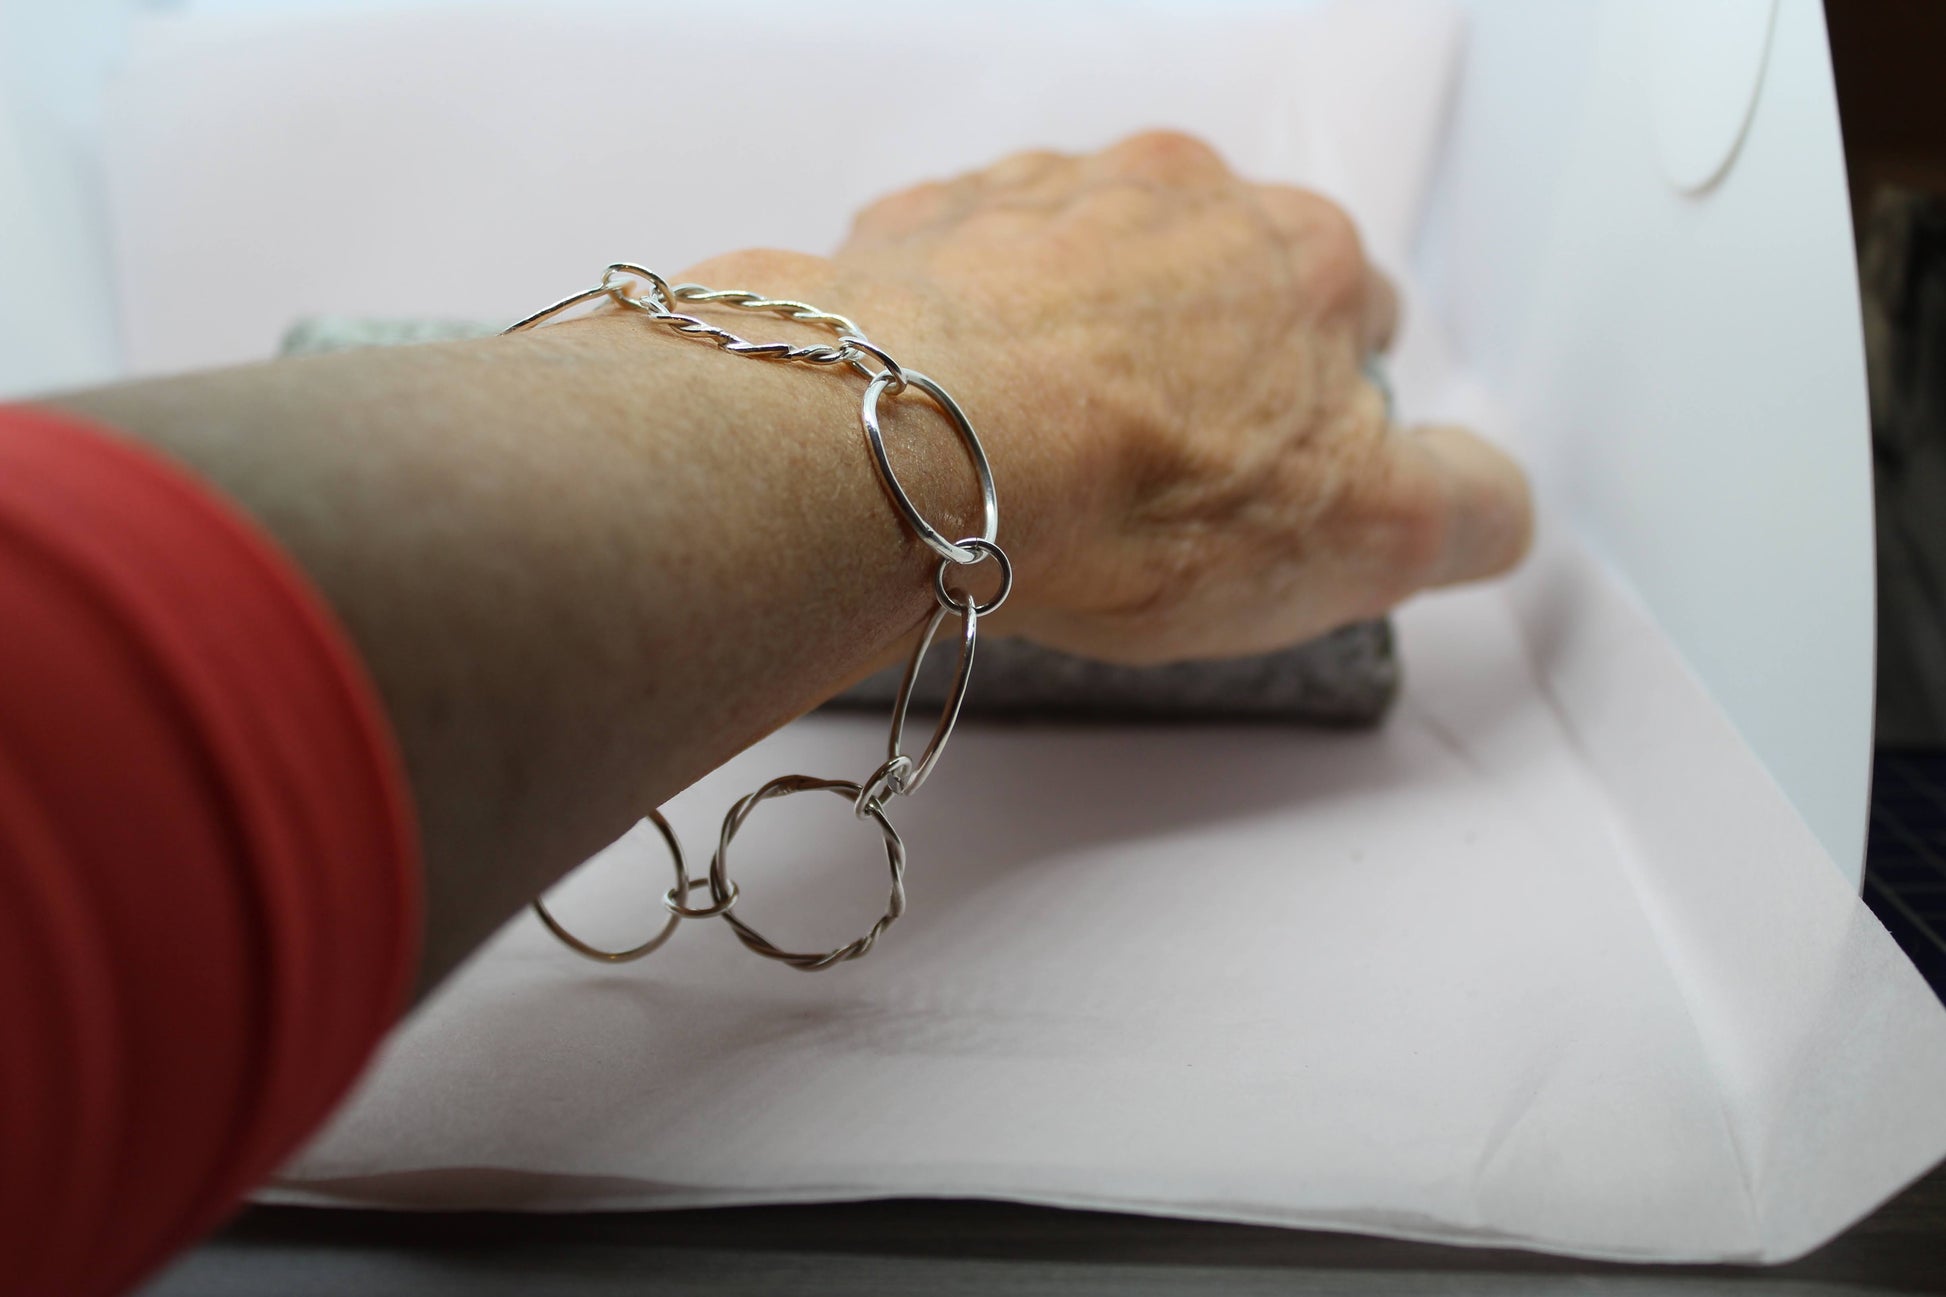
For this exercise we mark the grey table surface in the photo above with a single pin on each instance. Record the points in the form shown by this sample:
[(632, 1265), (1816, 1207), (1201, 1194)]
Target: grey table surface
[(948, 1248)]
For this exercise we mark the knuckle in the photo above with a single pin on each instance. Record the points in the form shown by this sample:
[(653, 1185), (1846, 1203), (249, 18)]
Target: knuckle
[(1325, 241), (1025, 168), (1336, 256), (906, 209), (1335, 230), (1167, 155)]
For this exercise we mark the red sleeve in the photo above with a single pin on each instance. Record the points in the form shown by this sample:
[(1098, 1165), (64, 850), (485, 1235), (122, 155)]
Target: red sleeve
[(209, 904)]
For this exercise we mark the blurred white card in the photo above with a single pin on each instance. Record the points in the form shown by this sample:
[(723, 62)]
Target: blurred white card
[(1548, 961)]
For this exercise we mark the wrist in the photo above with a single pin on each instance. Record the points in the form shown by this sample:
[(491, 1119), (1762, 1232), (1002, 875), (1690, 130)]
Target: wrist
[(1024, 421)]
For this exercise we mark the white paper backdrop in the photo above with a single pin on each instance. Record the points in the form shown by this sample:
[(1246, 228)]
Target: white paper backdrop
[(1550, 960)]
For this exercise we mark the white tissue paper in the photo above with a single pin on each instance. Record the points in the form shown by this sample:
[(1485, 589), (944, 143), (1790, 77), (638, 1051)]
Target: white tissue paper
[(1548, 961)]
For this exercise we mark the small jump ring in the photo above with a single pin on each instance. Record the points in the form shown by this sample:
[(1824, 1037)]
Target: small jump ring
[(681, 911), (981, 548), (893, 369), (891, 777), (657, 285)]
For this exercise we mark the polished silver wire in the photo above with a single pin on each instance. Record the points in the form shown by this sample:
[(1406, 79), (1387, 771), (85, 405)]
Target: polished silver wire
[(866, 347), (744, 300), (962, 426), (889, 778), (786, 353), (969, 639), (657, 284), (982, 549), (721, 886), (845, 353), (565, 304), (675, 900), (683, 884), (899, 773)]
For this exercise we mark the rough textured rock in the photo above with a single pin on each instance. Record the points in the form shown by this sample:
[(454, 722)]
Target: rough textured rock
[(1345, 678)]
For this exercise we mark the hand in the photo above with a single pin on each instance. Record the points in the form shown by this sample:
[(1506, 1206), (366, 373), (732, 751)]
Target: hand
[(1165, 363)]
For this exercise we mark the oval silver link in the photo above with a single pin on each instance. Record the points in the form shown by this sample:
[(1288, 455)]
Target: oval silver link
[(989, 502), (683, 884), (982, 549), (721, 887), (889, 778), (955, 695)]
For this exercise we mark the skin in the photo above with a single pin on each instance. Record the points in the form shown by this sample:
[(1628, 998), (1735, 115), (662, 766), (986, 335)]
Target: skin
[(588, 563)]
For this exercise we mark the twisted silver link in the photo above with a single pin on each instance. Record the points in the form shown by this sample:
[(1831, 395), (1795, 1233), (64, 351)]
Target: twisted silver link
[(783, 786), (744, 300), (899, 773), (785, 353)]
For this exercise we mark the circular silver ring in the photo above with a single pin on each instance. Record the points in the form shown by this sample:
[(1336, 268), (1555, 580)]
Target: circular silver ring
[(682, 911), (878, 353), (891, 777), (657, 285), (989, 502), (721, 887), (683, 884), (955, 695), (982, 549)]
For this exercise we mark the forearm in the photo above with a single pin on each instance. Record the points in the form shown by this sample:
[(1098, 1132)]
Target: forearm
[(584, 565), (587, 564)]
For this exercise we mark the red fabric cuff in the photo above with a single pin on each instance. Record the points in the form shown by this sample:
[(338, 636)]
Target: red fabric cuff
[(209, 883)]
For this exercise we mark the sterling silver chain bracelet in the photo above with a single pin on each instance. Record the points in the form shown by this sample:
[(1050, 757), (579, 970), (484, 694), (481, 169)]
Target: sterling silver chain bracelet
[(635, 288)]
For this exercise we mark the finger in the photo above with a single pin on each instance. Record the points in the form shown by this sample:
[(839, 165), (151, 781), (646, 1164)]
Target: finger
[(1480, 512), (1333, 274)]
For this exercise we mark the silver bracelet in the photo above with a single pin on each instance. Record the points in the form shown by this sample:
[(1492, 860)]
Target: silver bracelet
[(899, 773)]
